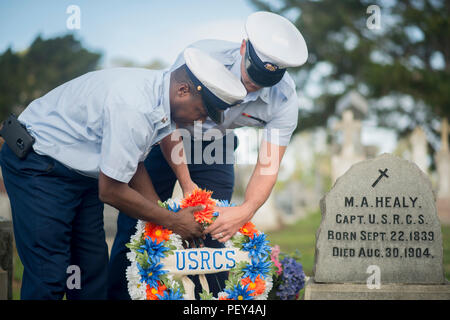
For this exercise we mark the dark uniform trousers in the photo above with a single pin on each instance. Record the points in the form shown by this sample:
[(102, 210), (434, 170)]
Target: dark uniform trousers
[(217, 177), (58, 228)]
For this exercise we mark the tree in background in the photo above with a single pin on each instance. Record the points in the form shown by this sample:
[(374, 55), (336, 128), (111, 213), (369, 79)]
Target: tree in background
[(403, 66), (25, 76)]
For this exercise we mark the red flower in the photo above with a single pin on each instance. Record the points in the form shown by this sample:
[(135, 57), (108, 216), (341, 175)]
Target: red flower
[(258, 286), (152, 292), (200, 197), (157, 232), (249, 230)]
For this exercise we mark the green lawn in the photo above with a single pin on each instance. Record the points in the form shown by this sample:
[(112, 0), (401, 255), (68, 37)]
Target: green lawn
[(298, 236)]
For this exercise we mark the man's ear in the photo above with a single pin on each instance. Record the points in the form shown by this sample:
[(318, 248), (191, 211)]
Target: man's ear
[(243, 47), (183, 89)]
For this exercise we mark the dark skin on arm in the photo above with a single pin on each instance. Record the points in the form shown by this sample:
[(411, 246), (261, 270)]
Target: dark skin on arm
[(138, 199)]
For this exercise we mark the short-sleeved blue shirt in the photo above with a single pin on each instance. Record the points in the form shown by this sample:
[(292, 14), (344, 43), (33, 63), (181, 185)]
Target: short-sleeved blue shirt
[(105, 120)]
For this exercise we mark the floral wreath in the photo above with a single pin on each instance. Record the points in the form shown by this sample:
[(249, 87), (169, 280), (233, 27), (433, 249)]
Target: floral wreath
[(148, 280)]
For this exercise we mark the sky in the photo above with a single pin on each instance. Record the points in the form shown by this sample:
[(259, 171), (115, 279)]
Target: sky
[(137, 30)]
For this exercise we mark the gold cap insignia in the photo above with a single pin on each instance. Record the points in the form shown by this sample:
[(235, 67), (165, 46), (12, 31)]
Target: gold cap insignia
[(199, 88), (270, 67)]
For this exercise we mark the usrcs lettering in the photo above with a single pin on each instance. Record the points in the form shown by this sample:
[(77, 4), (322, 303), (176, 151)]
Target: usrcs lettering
[(203, 259), (231, 259)]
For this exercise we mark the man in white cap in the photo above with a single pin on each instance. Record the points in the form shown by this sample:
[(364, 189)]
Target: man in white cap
[(273, 44), (92, 135)]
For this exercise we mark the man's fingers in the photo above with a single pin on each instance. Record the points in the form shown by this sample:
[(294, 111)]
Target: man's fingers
[(195, 209), (214, 228), (225, 239)]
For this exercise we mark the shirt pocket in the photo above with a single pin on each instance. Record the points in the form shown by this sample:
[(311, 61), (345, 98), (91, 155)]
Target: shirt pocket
[(159, 118)]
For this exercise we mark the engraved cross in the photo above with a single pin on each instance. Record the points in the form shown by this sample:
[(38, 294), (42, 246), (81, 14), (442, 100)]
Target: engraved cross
[(382, 174)]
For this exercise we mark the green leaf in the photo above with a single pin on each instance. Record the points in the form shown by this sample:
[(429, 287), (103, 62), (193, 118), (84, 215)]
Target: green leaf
[(239, 240), (206, 295), (162, 204)]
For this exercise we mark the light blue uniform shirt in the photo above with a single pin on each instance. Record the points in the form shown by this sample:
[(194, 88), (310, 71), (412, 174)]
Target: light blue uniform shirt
[(277, 106), (104, 120)]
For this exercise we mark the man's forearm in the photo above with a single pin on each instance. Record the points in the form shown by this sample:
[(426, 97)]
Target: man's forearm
[(172, 146), (264, 177), (142, 183), (132, 202), (258, 191)]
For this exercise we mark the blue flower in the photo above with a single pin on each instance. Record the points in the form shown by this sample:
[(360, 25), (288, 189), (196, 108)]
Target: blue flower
[(154, 250), (151, 274), (174, 207), (257, 267), (239, 292), (224, 203), (171, 295), (293, 279), (257, 247)]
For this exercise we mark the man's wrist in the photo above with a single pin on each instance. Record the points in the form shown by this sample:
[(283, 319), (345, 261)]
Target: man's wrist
[(249, 209)]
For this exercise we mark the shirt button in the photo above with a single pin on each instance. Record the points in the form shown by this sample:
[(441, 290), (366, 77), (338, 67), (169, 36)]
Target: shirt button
[(164, 120)]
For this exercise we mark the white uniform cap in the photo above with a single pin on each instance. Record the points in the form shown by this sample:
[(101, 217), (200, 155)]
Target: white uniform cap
[(219, 88), (276, 40)]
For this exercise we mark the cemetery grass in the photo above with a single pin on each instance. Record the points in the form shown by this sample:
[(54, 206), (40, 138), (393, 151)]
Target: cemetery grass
[(301, 236)]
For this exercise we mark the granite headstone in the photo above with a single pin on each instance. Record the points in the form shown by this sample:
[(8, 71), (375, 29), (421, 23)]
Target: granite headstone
[(380, 213), (380, 237)]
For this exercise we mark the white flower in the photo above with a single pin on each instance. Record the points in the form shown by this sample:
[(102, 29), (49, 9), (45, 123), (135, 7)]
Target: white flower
[(176, 241), (136, 289), (140, 228), (229, 244), (222, 294), (265, 294)]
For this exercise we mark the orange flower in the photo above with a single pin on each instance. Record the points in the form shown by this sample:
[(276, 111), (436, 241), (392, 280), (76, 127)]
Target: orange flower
[(200, 197), (223, 298), (152, 292), (249, 230), (258, 286), (157, 232)]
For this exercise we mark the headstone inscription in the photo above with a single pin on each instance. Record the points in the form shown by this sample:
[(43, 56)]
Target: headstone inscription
[(379, 216)]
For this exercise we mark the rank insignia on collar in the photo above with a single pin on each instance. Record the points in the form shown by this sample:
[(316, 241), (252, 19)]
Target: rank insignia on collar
[(270, 67)]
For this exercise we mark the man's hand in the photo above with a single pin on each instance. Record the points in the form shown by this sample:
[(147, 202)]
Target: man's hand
[(185, 225), (230, 220)]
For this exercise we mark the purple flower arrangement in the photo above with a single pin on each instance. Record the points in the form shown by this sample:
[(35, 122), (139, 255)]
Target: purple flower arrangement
[(288, 278)]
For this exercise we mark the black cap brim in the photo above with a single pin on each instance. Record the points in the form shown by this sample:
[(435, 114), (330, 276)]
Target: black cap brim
[(214, 113), (257, 72), (212, 104)]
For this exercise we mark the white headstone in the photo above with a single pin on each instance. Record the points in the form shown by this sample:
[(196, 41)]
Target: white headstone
[(443, 169), (381, 213), (419, 148), (351, 142), (443, 163), (353, 101)]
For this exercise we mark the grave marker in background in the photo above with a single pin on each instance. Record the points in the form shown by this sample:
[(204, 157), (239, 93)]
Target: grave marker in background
[(380, 215)]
